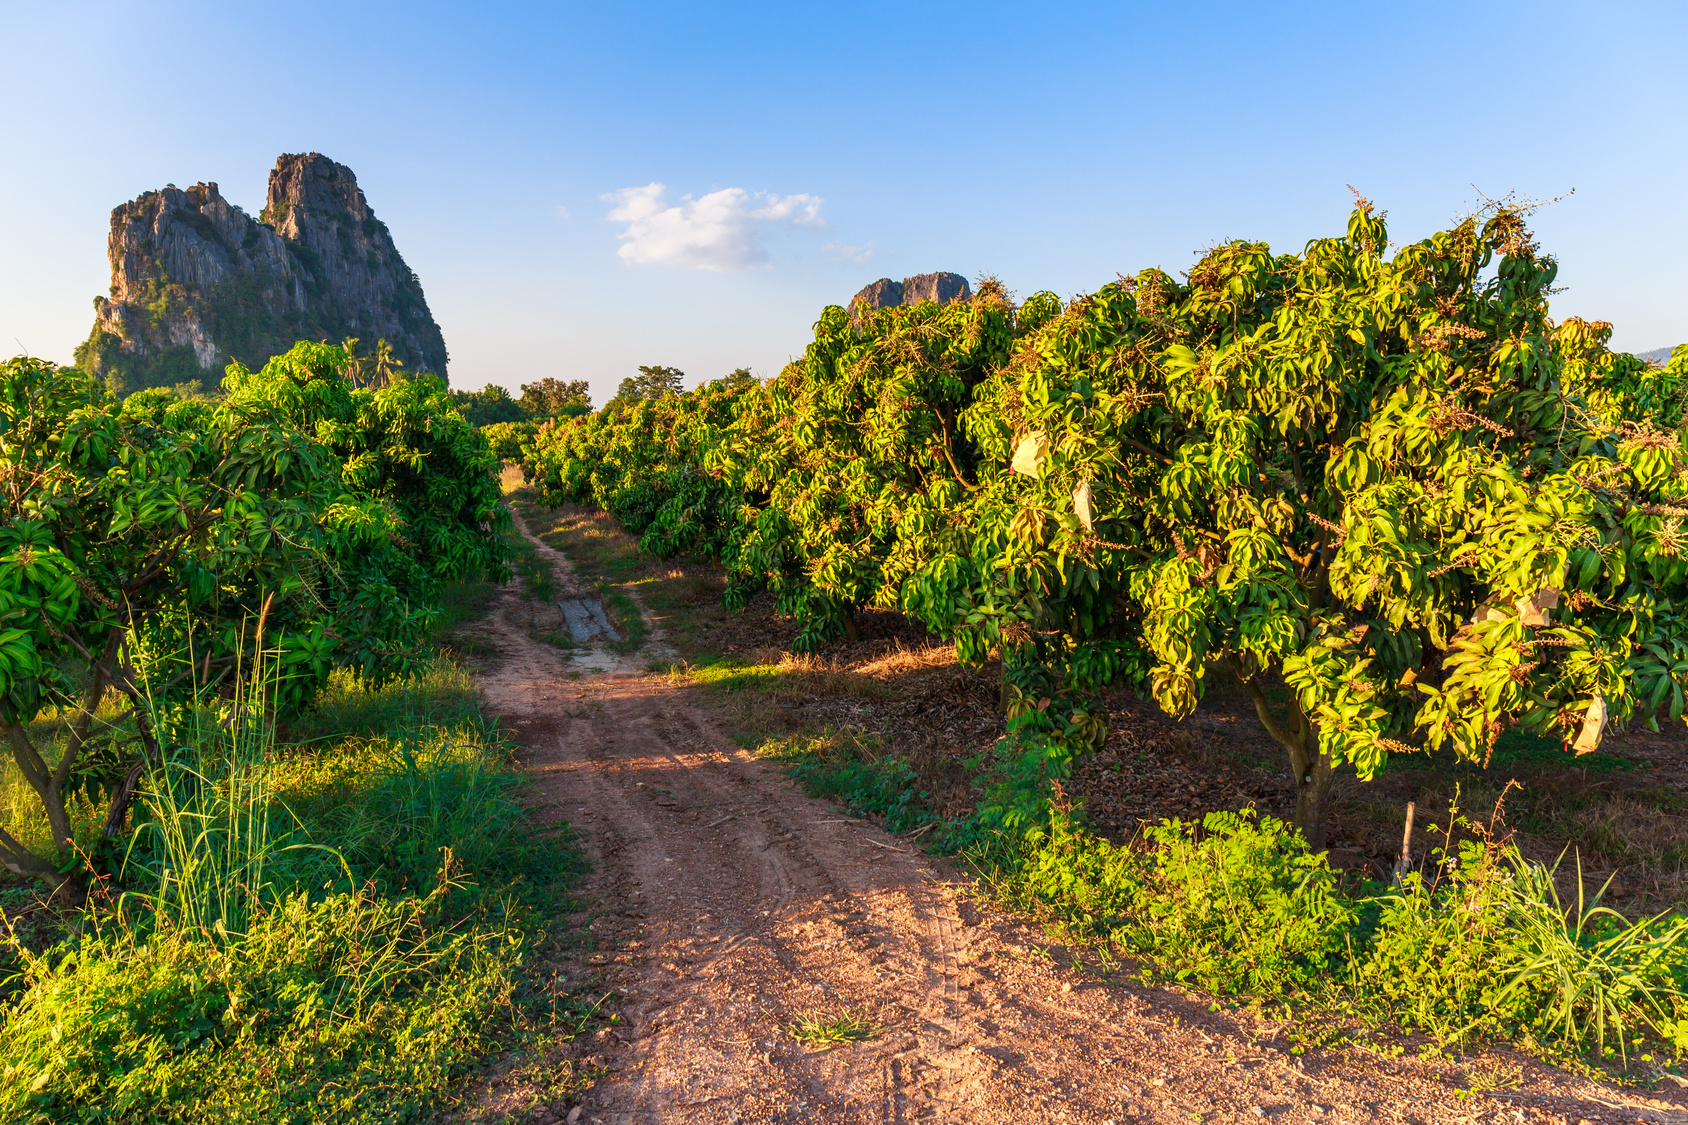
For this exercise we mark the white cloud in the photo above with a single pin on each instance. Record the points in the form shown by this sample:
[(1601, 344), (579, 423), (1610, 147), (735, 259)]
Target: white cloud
[(720, 231), (844, 252)]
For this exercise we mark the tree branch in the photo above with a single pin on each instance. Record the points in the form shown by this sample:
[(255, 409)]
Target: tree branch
[(29, 761), (1147, 450), (1321, 574), (125, 791), (91, 701), (21, 861), (1294, 740), (944, 426)]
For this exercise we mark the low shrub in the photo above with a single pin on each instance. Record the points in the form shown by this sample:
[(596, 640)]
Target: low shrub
[(1478, 945)]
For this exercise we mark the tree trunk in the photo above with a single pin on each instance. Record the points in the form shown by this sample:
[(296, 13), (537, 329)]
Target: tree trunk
[(1308, 765), (1312, 801)]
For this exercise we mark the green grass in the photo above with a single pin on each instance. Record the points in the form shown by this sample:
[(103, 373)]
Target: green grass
[(557, 640), (351, 1007), (440, 693), (850, 770), (535, 572), (726, 674), (339, 927), (606, 557), (463, 602), (822, 1031), (1480, 946), (627, 618)]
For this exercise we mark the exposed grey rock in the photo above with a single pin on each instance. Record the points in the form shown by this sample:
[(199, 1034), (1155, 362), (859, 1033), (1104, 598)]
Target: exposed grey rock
[(881, 294), (586, 620), (885, 293), (940, 287), (196, 282)]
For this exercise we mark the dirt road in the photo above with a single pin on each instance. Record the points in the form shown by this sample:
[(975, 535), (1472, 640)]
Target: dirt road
[(727, 903)]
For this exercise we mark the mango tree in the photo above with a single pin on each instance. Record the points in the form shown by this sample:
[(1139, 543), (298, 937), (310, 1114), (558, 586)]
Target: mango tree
[(1384, 479), (149, 547), (853, 463)]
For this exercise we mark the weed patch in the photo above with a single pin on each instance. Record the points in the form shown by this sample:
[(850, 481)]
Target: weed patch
[(1477, 945), (334, 929), (822, 1031)]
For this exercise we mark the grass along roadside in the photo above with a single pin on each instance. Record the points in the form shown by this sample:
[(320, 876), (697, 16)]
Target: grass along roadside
[(341, 926), (1478, 946)]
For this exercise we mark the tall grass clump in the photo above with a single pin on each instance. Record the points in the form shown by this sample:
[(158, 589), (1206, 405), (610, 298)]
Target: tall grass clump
[(1478, 945), (329, 930), (1485, 944), (206, 847)]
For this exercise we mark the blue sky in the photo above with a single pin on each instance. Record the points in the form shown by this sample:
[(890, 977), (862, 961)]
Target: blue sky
[(823, 147)]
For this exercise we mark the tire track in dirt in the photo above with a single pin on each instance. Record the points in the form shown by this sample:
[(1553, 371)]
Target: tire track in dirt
[(736, 903)]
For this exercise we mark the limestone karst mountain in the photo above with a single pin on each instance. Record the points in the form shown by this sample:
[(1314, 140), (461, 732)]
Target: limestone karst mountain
[(885, 293), (196, 282)]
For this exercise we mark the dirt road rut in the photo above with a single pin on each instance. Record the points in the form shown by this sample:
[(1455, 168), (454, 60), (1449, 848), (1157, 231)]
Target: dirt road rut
[(727, 903)]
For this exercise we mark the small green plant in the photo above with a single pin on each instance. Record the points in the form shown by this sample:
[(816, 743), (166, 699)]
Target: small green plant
[(1488, 1076), (848, 769), (822, 1031), (556, 640)]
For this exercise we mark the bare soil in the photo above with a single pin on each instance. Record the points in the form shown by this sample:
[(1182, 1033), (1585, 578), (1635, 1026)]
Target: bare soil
[(724, 904)]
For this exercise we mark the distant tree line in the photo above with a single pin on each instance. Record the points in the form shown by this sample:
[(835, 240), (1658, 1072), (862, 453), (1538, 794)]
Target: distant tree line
[(666, 382), (559, 398), (548, 398)]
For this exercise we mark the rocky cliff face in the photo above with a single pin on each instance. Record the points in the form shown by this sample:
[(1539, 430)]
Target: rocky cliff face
[(196, 282), (940, 287)]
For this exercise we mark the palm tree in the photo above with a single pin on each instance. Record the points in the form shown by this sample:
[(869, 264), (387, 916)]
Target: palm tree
[(385, 365), (357, 366)]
